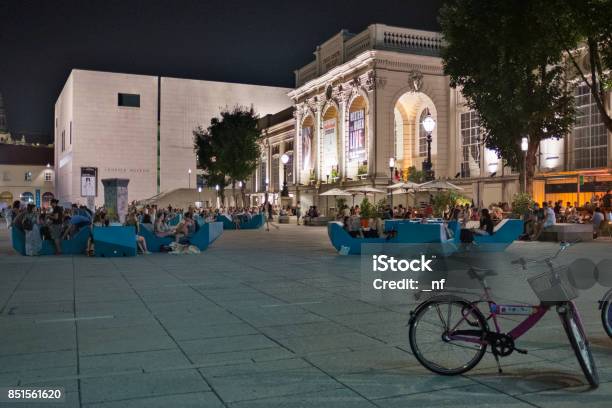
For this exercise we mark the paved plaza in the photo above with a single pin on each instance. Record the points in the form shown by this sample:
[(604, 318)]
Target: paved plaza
[(260, 319)]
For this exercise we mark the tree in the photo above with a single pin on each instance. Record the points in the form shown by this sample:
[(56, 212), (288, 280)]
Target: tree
[(584, 27), (508, 67), (229, 149)]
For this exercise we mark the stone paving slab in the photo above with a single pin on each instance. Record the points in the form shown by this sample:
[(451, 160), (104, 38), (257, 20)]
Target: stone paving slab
[(260, 319)]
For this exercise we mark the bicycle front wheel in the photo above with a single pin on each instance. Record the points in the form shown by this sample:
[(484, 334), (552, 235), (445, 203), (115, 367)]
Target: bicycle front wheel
[(447, 335), (580, 344), (606, 313)]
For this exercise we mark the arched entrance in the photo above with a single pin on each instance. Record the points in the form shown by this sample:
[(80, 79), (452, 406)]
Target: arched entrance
[(410, 137), (6, 199), (357, 141), (329, 144), (27, 198)]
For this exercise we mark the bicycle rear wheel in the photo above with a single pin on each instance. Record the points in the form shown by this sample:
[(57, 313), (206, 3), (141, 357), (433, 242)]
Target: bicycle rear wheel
[(606, 313), (447, 335), (580, 344)]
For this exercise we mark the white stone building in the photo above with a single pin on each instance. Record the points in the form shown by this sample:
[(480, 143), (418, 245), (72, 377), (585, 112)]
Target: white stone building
[(140, 127), (362, 101)]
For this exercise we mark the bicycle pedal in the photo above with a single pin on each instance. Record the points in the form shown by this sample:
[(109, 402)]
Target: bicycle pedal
[(521, 351)]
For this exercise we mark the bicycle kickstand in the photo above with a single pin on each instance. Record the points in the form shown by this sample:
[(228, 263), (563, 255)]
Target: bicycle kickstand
[(499, 369)]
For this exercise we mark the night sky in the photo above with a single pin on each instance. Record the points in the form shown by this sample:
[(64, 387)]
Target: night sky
[(258, 42)]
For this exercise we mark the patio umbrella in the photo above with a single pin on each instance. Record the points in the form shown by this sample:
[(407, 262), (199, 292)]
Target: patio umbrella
[(334, 192), (365, 190), (409, 185), (439, 185)]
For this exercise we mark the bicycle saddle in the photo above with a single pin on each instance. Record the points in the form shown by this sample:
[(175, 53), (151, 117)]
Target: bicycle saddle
[(479, 273)]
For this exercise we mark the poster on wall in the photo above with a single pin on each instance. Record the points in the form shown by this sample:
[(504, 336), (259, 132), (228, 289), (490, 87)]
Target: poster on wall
[(89, 181), (328, 145), (356, 145), (307, 155)]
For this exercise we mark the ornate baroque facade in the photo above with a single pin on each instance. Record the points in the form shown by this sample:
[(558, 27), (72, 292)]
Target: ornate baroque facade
[(362, 101)]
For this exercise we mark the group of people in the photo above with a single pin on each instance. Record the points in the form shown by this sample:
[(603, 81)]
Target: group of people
[(54, 223), (57, 223)]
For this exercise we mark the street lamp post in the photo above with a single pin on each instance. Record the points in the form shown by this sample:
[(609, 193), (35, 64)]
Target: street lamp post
[(524, 148), (391, 169), (217, 190), (200, 195), (429, 125), (189, 172), (285, 190)]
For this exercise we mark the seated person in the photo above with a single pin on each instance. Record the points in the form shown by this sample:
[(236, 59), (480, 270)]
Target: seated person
[(132, 221), (185, 228), (161, 228), (147, 223), (352, 229), (486, 224), (548, 221)]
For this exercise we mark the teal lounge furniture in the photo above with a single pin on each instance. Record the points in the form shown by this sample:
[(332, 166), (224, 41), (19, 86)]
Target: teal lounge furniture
[(407, 233), (206, 234), (74, 246), (340, 238), (154, 243), (504, 234), (257, 221), (114, 241)]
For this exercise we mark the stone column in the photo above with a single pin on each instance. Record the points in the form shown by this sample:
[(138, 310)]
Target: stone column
[(116, 197)]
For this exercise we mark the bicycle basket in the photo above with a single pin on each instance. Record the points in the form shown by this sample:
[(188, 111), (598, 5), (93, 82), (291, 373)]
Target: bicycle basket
[(553, 287)]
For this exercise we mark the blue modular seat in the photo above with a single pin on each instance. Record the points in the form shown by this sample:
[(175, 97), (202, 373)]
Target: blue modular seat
[(505, 233), (257, 221), (174, 221), (206, 234), (406, 233), (74, 246), (154, 243), (114, 241), (339, 238), (18, 240)]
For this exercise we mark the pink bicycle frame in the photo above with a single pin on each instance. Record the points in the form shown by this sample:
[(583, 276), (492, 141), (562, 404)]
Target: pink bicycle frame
[(522, 328)]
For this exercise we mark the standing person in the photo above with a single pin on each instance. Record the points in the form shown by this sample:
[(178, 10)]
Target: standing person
[(33, 241), (298, 212), (597, 220), (57, 219), (268, 209)]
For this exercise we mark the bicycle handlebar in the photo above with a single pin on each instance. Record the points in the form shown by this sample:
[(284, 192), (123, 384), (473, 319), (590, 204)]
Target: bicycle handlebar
[(563, 246)]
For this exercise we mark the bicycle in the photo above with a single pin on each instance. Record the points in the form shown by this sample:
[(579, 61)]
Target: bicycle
[(459, 331), (605, 305)]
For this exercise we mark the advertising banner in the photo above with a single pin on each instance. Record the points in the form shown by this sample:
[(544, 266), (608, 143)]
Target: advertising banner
[(307, 154), (357, 139), (89, 181), (329, 148)]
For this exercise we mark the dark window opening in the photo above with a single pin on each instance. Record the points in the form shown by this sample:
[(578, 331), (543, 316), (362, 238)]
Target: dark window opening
[(131, 100)]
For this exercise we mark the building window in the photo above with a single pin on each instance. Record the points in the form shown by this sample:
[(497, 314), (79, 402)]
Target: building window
[(6, 176), (589, 134), (289, 167), (70, 134), (288, 146), (275, 170), (470, 140), (263, 175), (48, 176), (27, 197), (27, 176), (131, 100), (422, 135), (63, 140)]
